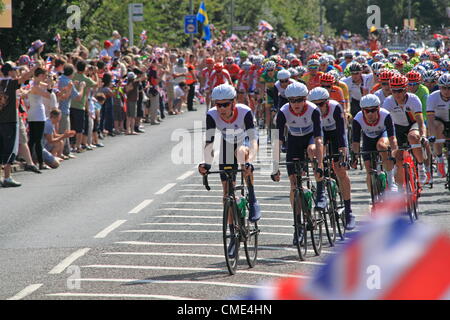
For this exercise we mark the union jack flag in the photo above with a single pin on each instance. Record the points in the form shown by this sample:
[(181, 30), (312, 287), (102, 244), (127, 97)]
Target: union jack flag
[(264, 26), (390, 259), (48, 64)]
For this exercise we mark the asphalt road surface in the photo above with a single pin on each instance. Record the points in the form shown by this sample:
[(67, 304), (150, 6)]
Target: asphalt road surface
[(125, 222)]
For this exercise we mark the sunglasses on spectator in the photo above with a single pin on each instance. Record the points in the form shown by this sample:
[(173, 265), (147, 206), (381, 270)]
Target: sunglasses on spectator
[(284, 81), (297, 100), (398, 90), (223, 105), (371, 110), (413, 84)]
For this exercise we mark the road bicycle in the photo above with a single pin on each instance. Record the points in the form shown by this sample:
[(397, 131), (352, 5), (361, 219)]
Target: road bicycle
[(235, 215), (305, 218)]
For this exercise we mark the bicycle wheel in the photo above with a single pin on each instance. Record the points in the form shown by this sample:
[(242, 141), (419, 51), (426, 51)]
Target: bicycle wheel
[(251, 240), (341, 222), (316, 229), (329, 216), (409, 195), (300, 226), (373, 188), (230, 208)]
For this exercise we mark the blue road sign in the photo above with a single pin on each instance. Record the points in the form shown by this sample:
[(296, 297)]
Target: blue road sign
[(190, 24)]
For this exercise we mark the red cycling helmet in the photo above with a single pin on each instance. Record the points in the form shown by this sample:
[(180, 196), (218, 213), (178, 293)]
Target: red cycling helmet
[(296, 63), (414, 76), (399, 63), (435, 57), (398, 82), (404, 56), (285, 63), (314, 56), (229, 60), (218, 67), (328, 78), (385, 75), (209, 61), (385, 51)]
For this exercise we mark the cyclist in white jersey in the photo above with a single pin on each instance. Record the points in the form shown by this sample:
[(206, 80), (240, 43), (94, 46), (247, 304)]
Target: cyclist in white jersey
[(378, 133), (303, 121), (334, 131), (438, 109), (406, 112), (238, 144)]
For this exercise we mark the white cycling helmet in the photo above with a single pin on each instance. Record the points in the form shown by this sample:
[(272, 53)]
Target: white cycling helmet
[(296, 89), (370, 101), (318, 93), (283, 75), (444, 80), (293, 72), (223, 92)]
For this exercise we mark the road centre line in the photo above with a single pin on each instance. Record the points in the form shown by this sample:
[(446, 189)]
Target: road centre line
[(102, 234), (26, 292), (141, 206), (166, 188), (68, 261)]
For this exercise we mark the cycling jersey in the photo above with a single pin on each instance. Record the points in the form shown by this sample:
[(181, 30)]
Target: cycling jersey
[(233, 70), (373, 131), (356, 90), (269, 83), (344, 88), (302, 124), (312, 81), (375, 88), (404, 115), (437, 106), (337, 94), (423, 93), (381, 96), (206, 74), (216, 79), (333, 121), (279, 97)]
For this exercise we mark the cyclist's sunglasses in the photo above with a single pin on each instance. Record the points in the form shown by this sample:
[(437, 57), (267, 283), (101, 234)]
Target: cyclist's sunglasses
[(413, 84), (327, 87), (397, 90), (385, 83), (284, 81), (371, 110), (356, 73), (297, 100), (313, 67), (444, 88), (223, 105), (270, 70)]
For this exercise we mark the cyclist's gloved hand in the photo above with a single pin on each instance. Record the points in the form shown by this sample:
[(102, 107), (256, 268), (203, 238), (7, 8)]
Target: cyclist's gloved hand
[(275, 177), (424, 141), (248, 165), (203, 168)]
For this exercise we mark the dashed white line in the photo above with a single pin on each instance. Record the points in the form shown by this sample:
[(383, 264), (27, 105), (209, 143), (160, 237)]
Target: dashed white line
[(185, 175), (141, 206), (118, 296), (68, 261), (108, 230), (166, 188), (26, 292)]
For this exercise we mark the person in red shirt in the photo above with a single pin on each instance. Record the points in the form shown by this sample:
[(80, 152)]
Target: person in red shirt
[(232, 68), (312, 77), (219, 76), (204, 80)]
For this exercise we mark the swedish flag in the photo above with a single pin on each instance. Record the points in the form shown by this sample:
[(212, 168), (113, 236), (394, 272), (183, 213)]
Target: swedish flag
[(202, 17)]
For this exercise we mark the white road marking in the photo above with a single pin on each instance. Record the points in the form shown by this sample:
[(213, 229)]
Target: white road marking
[(166, 188), (196, 255), (68, 261), (176, 282), (102, 234), (198, 231), (166, 268), (141, 206), (117, 296), (26, 292), (217, 203), (219, 245), (215, 217), (185, 175)]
